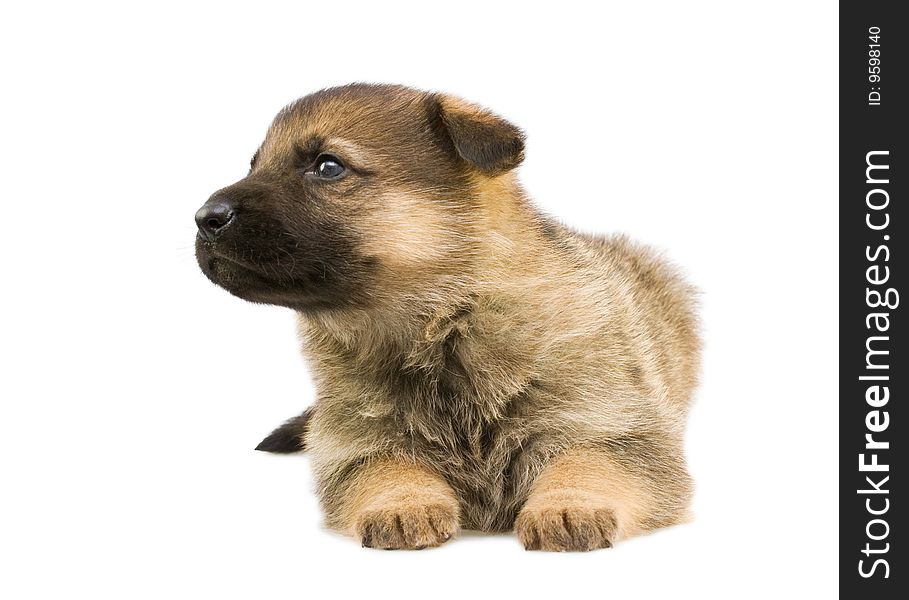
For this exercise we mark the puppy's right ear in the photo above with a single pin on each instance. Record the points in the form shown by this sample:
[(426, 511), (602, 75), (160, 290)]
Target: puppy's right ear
[(483, 139)]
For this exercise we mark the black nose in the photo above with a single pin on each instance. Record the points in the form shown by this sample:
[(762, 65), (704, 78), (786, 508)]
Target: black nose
[(213, 218)]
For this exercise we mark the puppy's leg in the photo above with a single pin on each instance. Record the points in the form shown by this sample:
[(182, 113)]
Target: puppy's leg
[(396, 505), (588, 498)]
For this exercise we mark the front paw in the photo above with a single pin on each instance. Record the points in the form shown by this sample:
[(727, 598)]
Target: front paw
[(559, 527), (406, 527)]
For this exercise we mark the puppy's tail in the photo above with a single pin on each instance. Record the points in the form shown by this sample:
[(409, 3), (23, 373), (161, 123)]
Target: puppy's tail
[(289, 437)]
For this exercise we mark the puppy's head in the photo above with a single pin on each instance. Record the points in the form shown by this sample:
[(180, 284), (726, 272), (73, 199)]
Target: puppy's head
[(355, 190)]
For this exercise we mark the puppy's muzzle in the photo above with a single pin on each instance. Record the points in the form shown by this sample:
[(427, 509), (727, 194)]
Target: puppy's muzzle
[(215, 217)]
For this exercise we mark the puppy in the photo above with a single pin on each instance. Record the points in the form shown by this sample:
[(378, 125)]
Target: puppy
[(478, 364)]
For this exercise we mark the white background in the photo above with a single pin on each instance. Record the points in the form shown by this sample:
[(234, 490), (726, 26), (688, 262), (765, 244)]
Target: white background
[(133, 391)]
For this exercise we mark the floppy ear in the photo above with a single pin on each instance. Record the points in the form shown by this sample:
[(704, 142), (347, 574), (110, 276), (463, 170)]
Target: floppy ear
[(488, 142)]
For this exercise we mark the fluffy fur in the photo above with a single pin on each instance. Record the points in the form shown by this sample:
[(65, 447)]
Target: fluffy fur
[(478, 365)]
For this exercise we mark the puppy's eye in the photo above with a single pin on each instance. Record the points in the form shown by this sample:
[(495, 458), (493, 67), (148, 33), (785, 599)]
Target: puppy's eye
[(328, 167)]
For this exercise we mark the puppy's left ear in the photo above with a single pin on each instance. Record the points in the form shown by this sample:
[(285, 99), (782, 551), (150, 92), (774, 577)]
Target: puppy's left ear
[(483, 139)]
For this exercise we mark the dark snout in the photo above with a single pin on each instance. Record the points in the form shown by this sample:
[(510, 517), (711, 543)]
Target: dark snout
[(215, 217)]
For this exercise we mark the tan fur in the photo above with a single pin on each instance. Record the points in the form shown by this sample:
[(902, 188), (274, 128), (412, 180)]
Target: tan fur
[(584, 500), (500, 363), (410, 239), (616, 336), (396, 505)]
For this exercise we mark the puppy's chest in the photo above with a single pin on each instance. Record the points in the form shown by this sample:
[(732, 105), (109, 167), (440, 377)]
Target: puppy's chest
[(465, 412), (456, 430), (478, 458), (460, 402), (482, 446)]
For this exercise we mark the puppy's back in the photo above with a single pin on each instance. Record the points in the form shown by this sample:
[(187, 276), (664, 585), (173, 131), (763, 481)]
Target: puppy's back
[(658, 304)]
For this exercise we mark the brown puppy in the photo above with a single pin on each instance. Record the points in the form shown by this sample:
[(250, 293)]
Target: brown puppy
[(478, 364)]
